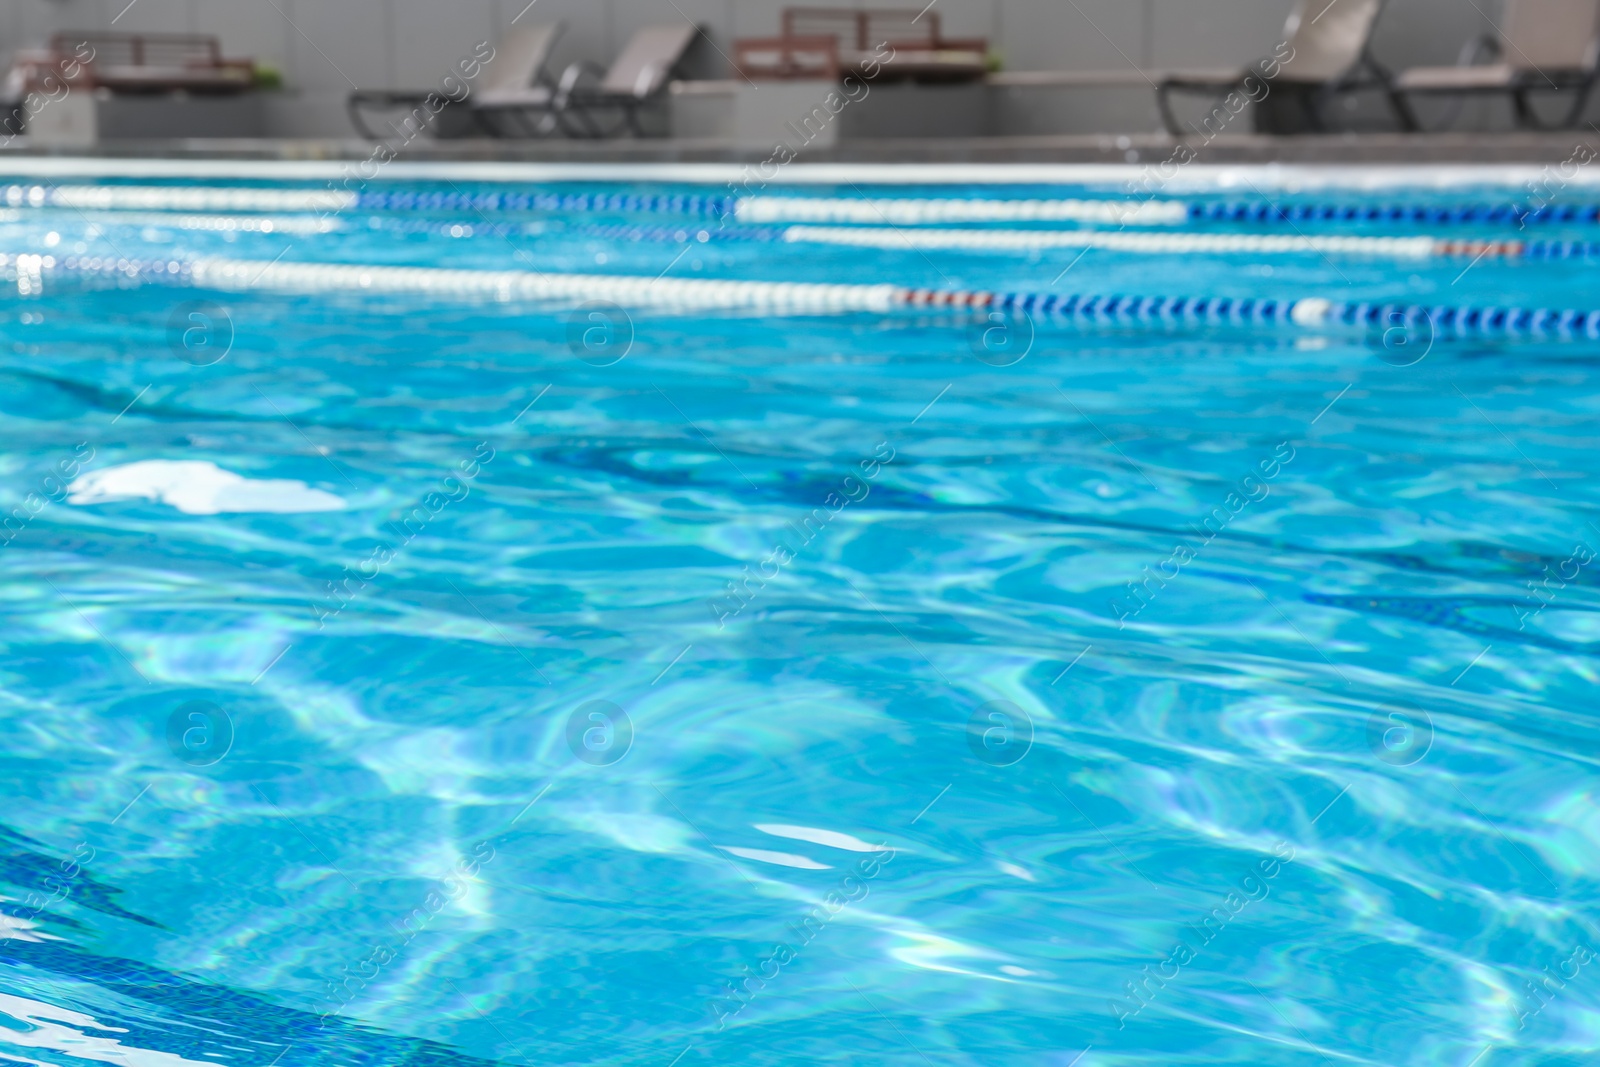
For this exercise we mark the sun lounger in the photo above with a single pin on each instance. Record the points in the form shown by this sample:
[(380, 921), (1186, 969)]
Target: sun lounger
[(1544, 46), (639, 75), (884, 45), (516, 71), (155, 62), (1326, 57), (32, 69)]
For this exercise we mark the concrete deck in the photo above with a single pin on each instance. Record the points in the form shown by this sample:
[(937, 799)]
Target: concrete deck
[(1537, 149)]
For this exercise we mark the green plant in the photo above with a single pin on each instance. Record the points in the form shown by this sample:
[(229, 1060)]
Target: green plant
[(266, 76)]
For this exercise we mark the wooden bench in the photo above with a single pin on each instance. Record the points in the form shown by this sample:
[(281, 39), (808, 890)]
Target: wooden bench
[(876, 45), (154, 62)]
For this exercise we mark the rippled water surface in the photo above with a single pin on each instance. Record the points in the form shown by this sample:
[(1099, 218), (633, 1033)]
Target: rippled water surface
[(392, 679)]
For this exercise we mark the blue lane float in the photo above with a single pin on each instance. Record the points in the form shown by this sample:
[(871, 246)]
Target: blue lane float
[(563, 203), (1444, 215), (1312, 313)]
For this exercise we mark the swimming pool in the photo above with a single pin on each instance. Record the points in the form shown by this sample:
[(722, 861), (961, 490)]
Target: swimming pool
[(503, 617)]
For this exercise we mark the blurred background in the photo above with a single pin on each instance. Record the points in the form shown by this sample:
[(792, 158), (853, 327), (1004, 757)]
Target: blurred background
[(1000, 68)]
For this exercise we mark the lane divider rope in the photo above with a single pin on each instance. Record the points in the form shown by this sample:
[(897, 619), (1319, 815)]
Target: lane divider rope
[(750, 209), (972, 240), (1024, 240), (806, 297), (244, 275), (905, 212), (197, 198), (333, 201), (774, 209), (295, 224), (1155, 243), (1143, 212)]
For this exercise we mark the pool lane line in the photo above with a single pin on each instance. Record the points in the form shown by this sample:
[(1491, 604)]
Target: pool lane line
[(1000, 240), (192, 198), (331, 201), (295, 224), (899, 211), (578, 289), (993, 240), (925, 211), (1149, 212), (809, 297), (1147, 243)]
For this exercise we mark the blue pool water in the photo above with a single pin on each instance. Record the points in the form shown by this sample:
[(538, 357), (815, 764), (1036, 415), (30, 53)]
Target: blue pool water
[(395, 676)]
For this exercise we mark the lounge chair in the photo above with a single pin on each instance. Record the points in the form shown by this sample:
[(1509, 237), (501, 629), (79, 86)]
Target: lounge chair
[(517, 68), (32, 69), (918, 50), (636, 78), (1548, 46), (1329, 58)]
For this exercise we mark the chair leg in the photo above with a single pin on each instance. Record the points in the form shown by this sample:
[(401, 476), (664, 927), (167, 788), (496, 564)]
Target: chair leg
[(1579, 102), (515, 122), (630, 118), (1528, 118), (1522, 108), (358, 120), (572, 124), (1403, 113), (583, 125), (485, 123), (1311, 101), (1164, 105)]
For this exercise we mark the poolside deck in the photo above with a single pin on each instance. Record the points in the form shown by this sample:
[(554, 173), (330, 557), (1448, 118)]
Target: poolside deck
[(1140, 148)]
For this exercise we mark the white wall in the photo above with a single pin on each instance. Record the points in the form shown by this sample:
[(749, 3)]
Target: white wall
[(325, 46), (25, 22)]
